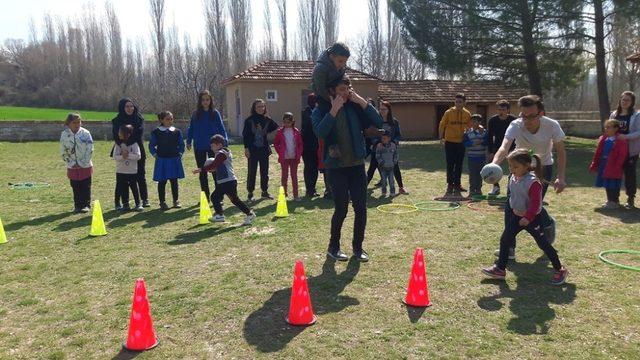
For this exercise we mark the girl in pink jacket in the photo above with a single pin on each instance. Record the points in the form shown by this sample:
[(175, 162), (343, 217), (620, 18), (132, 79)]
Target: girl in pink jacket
[(288, 145)]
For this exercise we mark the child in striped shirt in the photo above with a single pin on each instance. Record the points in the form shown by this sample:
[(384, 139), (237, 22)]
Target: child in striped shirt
[(475, 140)]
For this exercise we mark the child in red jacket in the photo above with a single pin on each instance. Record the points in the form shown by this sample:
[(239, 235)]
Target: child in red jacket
[(608, 162), (288, 145)]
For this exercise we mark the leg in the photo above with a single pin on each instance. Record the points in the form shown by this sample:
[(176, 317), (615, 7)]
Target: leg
[(630, 182), (613, 195), (475, 180), (232, 194), (75, 187), (264, 172), (373, 166), (133, 185), (458, 161), (86, 191), (175, 190), (116, 194), (507, 240), (449, 157), (283, 175), (162, 184), (216, 198), (398, 175), (310, 172), (392, 184), (201, 157), (358, 192), (142, 181), (535, 229), (252, 165), (293, 166), (339, 181), (123, 189), (384, 180)]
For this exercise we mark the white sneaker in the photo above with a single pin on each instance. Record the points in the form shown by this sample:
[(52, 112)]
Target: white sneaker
[(611, 205), (217, 218), (495, 190), (249, 219)]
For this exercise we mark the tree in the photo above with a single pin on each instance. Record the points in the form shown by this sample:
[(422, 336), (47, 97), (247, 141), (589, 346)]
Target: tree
[(528, 42), (282, 19), (240, 11), (309, 13), (157, 17), (217, 44), (330, 21)]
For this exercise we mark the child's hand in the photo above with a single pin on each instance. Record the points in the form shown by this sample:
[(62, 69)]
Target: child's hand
[(196, 171), (524, 222)]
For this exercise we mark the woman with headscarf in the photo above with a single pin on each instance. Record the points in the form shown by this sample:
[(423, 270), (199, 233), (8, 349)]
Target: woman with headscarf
[(129, 114)]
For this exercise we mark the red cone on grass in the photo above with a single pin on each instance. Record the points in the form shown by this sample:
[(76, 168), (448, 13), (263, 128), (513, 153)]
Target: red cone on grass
[(300, 309), (142, 336), (418, 290)]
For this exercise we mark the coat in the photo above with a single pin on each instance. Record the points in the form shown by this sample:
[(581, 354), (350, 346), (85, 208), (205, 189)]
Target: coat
[(615, 161), (280, 144)]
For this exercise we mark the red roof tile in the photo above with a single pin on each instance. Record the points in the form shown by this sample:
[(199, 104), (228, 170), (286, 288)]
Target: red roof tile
[(288, 70), (445, 90)]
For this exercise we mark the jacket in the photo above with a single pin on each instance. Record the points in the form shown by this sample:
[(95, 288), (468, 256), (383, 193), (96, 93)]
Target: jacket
[(280, 144), (309, 139), (615, 160), (256, 128), (130, 164), (76, 149), (202, 128), (633, 137), (454, 123)]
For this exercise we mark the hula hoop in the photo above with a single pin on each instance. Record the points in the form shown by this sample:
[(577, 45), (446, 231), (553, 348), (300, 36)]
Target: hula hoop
[(28, 185), (488, 198), (434, 205), (451, 198), (473, 205), (402, 208), (613, 263)]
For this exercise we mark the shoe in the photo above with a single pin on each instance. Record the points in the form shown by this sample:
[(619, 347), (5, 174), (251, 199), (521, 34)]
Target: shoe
[(495, 272), (266, 195), (248, 220), (250, 196), (125, 208), (403, 191), (495, 191), (631, 203), (118, 207), (560, 276), (550, 231), (378, 184), (456, 193), (611, 205), (361, 256), (392, 194), (297, 198), (138, 208), (512, 253), (177, 205), (85, 210), (384, 191), (76, 210), (460, 188), (312, 194), (217, 218), (337, 255), (327, 196), (145, 203), (163, 206), (449, 190)]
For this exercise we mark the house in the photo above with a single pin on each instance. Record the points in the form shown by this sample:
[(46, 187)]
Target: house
[(284, 85), (419, 105)]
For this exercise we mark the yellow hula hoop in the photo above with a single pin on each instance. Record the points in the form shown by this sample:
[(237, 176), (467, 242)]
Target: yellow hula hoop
[(402, 208)]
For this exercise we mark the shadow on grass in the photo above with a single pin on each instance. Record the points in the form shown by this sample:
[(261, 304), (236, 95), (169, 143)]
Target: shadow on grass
[(414, 313), (37, 221), (85, 220), (266, 328), (531, 299), (627, 216), (194, 237), (125, 354)]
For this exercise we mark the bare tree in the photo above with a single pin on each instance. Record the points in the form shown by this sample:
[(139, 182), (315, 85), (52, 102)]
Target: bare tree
[(157, 11), (217, 44), (374, 38), (267, 48), (240, 11), (115, 40), (309, 13), (282, 17), (330, 19)]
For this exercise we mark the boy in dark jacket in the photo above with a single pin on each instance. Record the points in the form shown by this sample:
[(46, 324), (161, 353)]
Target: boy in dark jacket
[(330, 68)]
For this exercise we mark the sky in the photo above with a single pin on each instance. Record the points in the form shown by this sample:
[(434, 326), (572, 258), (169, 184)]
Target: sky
[(135, 21)]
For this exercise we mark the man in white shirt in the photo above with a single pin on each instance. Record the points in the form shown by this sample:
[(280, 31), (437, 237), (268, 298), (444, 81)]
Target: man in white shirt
[(540, 134)]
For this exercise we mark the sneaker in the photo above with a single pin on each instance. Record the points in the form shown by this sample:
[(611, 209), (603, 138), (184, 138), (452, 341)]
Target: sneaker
[(248, 220), (266, 195), (145, 203), (560, 276), (138, 208), (125, 208), (177, 205), (217, 218), (403, 191), (163, 206), (337, 255), (631, 203), (611, 205), (250, 197), (460, 188), (550, 231), (297, 198), (392, 194), (76, 210), (456, 193), (512, 253), (384, 191), (312, 194), (495, 191), (118, 207), (495, 272), (85, 210), (449, 190), (327, 196), (378, 184), (361, 256)]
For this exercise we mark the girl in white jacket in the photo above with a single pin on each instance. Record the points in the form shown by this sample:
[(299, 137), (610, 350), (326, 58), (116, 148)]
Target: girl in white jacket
[(76, 148)]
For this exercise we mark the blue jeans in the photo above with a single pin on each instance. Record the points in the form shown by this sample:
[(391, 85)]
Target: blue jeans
[(387, 178)]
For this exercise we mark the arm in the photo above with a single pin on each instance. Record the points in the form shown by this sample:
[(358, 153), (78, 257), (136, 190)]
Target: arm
[(442, 126), (117, 153), (379, 154), (560, 182), (395, 154), (136, 136), (322, 125), (491, 137), (466, 141), (180, 143), (502, 152), (535, 200), (247, 134), (134, 154), (115, 129), (634, 127), (217, 118), (63, 149), (153, 142), (190, 131), (278, 141), (219, 159), (397, 136)]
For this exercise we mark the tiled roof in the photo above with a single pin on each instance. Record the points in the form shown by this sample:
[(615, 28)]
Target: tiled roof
[(445, 91), (288, 70), (634, 58)]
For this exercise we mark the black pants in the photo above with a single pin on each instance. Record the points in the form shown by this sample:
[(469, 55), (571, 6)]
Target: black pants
[(373, 166), (348, 183), (201, 157), (508, 240), (613, 194), (630, 182), (261, 158), (81, 193), (454, 154), (310, 159), (174, 190), (230, 189), (142, 180), (124, 182)]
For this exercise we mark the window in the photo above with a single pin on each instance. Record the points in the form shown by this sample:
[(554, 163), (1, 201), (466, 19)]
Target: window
[(272, 95)]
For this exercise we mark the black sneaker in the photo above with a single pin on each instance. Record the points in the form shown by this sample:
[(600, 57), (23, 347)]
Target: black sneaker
[(250, 197), (361, 256), (163, 206), (177, 205), (118, 207), (337, 255), (266, 195), (145, 203), (125, 208)]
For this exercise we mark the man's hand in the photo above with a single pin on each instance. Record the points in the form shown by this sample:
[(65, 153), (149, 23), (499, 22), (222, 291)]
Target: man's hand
[(559, 185), (356, 98), (247, 153), (442, 141), (336, 104)]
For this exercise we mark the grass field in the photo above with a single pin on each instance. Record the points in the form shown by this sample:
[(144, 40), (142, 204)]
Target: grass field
[(222, 291), (27, 113)]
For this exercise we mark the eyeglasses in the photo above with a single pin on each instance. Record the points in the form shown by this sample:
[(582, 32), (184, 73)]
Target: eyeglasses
[(530, 117)]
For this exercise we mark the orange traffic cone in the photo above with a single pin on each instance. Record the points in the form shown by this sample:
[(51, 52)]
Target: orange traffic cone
[(142, 336), (300, 309), (418, 290)]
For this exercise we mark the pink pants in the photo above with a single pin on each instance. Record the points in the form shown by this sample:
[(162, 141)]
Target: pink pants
[(290, 165)]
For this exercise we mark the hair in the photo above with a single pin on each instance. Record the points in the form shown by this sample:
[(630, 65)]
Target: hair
[(342, 81), (217, 139), (72, 117), (339, 49), (461, 96), (633, 101), (312, 100), (387, 104), (126, 130), (503, 103), (288, 116), (253, 106), (613, 122), (477, 117), (525, 157), (163, 114), (531, 100), (200, 108)]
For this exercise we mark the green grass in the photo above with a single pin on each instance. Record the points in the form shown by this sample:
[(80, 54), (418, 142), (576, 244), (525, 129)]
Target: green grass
[(26, 113), (222, 291)]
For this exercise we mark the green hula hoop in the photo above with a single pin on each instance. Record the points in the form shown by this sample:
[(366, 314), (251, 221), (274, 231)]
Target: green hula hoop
[(403, 208), (628, 267), (488, 197), (435, 205), (28, 185)]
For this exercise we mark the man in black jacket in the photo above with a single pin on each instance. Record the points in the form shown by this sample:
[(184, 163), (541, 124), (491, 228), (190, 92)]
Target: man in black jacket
[(310, 148)]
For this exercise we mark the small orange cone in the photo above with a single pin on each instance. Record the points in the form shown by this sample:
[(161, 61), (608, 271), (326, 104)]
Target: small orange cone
[(300, 309), (418, 290), (142, 336)]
